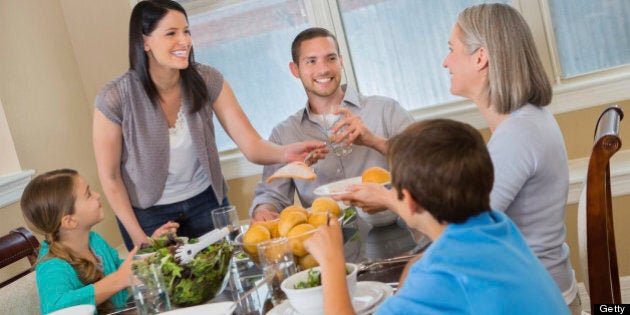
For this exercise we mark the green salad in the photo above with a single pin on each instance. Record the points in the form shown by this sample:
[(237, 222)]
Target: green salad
[(347, 213), (313, 279), (197, 281), (161, 242)]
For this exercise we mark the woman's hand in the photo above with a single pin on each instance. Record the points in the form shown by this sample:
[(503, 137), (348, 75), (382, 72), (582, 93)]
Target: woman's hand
[(169, 227), (300, 150)]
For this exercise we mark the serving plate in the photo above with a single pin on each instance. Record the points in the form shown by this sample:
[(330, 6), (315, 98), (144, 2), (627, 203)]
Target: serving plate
[(82, 309), (212, 308), (338, 187), (368, 296)]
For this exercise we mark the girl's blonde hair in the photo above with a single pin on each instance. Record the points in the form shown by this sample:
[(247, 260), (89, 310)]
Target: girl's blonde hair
[(515, 73), (45, 201)]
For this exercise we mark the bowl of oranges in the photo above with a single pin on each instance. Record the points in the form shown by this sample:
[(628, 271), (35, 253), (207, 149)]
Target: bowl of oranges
[(295, 223)]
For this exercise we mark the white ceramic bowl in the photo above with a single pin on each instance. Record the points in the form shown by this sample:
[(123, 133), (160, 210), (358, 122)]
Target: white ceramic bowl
[(382, 218), (83, 309), (310, 301)]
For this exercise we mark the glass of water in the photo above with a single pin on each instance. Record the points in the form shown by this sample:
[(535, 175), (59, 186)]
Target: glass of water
[(149, 291), (277, 262), (226, 216), (330, 119)]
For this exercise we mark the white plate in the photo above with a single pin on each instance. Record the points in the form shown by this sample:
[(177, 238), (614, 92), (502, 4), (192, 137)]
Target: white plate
[(386, 289), (213, 308), (368, 295), (83, 309), (338, 187)]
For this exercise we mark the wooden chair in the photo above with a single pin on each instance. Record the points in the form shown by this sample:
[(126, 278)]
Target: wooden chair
[(595, 216), (18, 244)]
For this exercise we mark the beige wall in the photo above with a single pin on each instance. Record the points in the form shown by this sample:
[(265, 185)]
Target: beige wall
[(55, 56), (9, 162), (49, 79)]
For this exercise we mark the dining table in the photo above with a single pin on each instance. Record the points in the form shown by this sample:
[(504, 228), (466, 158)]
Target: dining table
[(380, 251)]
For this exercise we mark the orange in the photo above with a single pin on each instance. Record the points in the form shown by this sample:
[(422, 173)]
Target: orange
[(257, 233), (271, 225), (325, 204), (273, 228), (307, 262), (292, 208), (376, 175), (290, 220), (317, 219), (297, 236)]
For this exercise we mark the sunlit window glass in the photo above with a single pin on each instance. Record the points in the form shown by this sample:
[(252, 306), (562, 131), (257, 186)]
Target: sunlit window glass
[(591, 35), (250, 43), (397, 47)]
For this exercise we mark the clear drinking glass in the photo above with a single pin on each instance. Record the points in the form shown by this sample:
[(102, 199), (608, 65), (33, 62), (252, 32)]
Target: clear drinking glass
[(149, 291), (330, 119), (226, 216), (278, 264), (244, 276)]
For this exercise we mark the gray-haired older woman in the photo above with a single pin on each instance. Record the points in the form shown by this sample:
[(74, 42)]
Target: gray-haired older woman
[(493, 61)]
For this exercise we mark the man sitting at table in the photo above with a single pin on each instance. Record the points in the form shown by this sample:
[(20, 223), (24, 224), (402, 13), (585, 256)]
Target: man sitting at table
[(370, 121), (478, 262)]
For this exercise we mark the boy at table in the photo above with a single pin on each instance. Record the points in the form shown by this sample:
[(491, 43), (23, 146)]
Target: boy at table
[(369, 121), (478, 262)]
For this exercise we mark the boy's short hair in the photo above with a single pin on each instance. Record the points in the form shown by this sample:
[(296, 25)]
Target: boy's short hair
[(445, 166)]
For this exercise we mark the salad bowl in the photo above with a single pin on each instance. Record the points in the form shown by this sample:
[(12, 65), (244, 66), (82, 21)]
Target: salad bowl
[(305, 293), (197, 281)]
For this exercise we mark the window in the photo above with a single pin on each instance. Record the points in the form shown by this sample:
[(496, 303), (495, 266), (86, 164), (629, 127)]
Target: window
[(591, 35), (250, 43), (396, 48)]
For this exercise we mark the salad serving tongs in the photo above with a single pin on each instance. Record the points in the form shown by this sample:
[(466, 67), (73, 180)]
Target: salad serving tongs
[(185, 253)]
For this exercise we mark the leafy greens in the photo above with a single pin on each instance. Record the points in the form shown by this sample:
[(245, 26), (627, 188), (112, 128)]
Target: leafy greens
[(197, 281)]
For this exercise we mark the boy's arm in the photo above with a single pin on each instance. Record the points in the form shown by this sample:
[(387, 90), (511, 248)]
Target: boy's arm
[(326, 246)]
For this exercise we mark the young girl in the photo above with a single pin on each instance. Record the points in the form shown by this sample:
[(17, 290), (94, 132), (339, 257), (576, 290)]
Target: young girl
[(77, 266)]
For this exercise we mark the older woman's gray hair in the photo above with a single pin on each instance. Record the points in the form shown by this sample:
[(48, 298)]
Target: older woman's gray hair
[(515, 73)]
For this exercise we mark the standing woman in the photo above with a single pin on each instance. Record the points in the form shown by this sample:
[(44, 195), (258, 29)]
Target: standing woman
[(493, 62), (154, 137)]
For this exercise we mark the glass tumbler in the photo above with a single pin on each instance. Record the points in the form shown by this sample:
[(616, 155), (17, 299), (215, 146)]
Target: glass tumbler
[(149, 291), (330, 119), (226, 216), (277, 262)]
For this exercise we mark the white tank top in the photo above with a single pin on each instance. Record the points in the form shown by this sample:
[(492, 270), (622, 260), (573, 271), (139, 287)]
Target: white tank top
[(186, 177)]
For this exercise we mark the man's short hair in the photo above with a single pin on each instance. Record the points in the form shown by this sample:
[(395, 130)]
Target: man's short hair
[(307, 34), (445, 166)]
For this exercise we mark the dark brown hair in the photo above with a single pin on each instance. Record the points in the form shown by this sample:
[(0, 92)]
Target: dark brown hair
[(45, 201), (445, 166), (144, 19), (307, 34)]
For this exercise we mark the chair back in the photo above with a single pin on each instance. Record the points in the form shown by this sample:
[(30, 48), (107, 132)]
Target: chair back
[(18, 244), (596, 233)]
